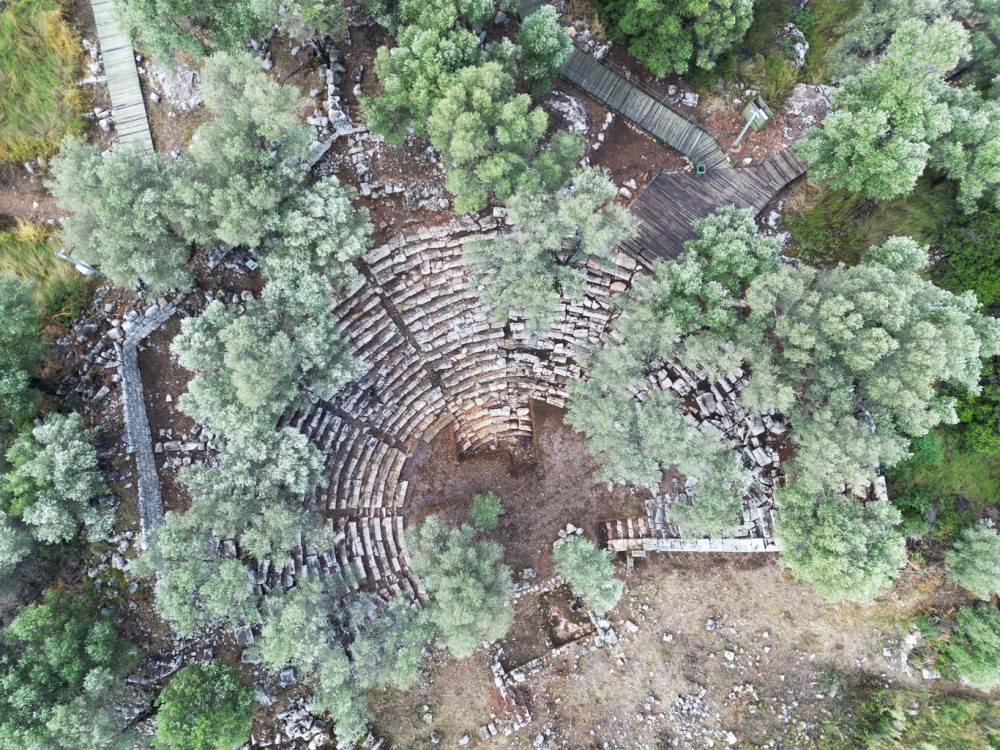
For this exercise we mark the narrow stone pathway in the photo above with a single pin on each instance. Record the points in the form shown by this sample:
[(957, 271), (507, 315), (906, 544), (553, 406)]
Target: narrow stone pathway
[(127, 103)]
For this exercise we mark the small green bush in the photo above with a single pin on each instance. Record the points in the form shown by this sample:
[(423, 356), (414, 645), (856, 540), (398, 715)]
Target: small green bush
[(486, 511), (980, 414), (974, 559), (204, 708), (974, 649)]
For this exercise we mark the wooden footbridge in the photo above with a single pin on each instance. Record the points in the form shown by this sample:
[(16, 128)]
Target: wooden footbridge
[(123, 80), (648, 113), (672, 202)]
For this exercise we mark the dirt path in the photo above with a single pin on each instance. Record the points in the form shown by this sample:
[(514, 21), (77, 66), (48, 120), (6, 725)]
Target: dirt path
[(543, 488)]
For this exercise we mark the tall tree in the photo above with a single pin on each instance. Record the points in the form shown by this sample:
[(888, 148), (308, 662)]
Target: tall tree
[(878, 138), (121, 220), (589, 572), (970, 152), (544, 259), (430, 47), (465, 582), (319, 232), (848, 550), (863, 347), (545, 46), (487, 135), (165, 27), (61, 673), (242, 166)]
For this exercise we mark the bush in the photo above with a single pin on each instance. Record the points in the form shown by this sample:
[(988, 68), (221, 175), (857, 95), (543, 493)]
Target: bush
[(904, 719), (20, 351), (39, 64), (974, 559), (486, 511), (970, 250), (204, 708), (974, 649), (589, 572)]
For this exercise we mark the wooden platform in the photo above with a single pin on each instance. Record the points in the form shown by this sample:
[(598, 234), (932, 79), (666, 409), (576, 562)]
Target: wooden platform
[(650, 114), (127, 104), (672, 202)]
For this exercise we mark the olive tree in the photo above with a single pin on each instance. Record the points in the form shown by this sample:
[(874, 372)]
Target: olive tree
[(589, 572), (877, 139), (848, 550), (55, 486), (466, 584), (544, 259)]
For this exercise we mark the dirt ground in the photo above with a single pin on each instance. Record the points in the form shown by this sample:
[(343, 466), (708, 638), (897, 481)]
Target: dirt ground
[(762, 666), (542, 489), (163, 382)]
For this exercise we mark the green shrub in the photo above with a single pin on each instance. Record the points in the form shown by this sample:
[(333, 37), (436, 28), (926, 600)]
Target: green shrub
[(974, 649), (486, 511), (974, 559), (970, 246), (39, 63), (980, 415), (204, 708)]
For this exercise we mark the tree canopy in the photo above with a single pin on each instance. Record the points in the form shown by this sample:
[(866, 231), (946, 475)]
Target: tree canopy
[(204, 708), (466, 584), (55, 486), (589, 572), (61, 669), (542, 262), (670, 37)]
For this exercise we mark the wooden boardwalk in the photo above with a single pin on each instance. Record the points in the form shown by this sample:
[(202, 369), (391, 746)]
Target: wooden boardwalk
[(648, 113), (123, 80), (673, 202)]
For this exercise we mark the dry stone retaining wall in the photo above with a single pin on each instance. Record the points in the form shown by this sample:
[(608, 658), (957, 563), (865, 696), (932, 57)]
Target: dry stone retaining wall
[(138, 439)]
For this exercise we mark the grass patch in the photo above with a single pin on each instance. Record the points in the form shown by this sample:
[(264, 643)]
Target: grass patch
[(820, 21), (765, 64), (830, 226), (876, 717), (26, 252), (915, 484), (39, 64)]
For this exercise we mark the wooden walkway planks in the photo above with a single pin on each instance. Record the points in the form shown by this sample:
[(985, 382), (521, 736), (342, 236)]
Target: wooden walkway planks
[(671, 203), (646, 112), (123, 80), (526, 7)]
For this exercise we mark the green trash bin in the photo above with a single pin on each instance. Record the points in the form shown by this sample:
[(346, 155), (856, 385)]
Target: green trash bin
[(699, 170)]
